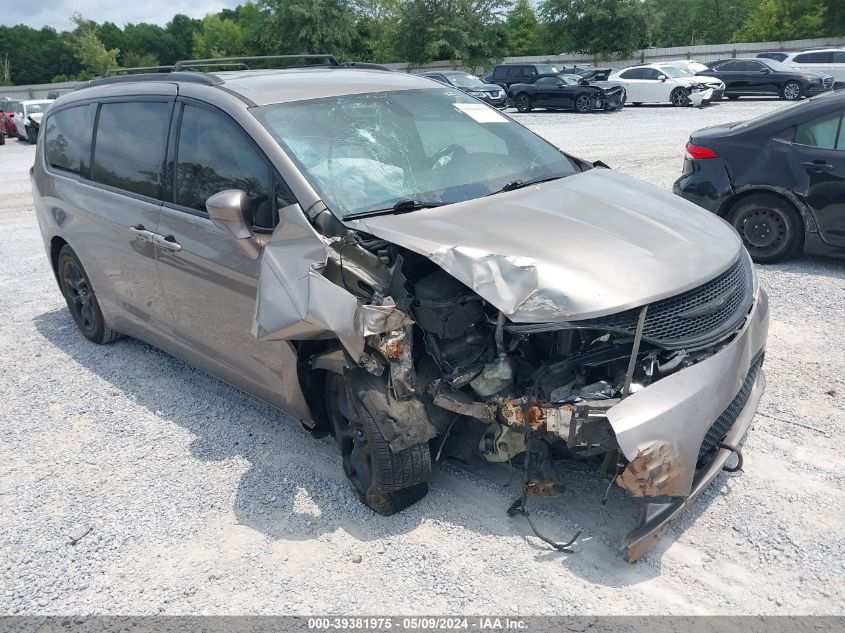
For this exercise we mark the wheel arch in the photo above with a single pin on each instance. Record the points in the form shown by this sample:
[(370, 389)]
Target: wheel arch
[(57, 243), (808, 221)]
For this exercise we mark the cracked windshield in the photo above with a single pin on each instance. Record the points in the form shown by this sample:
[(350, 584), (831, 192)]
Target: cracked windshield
[(415, 148)]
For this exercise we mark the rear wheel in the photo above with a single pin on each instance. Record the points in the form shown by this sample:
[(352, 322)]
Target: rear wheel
[(769, 226), (81, 300), (791, 91), (387, 482), (679, 97), (523, 103), (583, 103)]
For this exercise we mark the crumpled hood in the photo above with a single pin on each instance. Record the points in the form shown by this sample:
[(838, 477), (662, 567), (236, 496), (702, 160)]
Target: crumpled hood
[(36, 116), (588, 245)]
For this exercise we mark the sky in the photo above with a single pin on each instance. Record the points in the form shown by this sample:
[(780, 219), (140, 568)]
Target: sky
[(56, 13)]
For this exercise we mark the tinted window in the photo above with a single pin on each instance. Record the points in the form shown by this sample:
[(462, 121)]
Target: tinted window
[(839, 57), (214, 155), (814, 58), (129, 146), (733, 65), (548, 82), (756, 66), (651, 73), (819, 132), (500, 72), (68, 138), (528, 71), (513, 72), (634, 73)]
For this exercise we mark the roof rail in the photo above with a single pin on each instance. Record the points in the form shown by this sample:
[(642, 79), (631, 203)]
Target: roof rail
[(112, 72), (188, 77), (216, 61)]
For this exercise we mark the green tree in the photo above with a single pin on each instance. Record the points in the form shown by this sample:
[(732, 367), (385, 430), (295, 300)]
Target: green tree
[(784, 20), (469, 30), (693, 22), (131, 59), (309, 26), (218, 38), (181, 30), (597, 27), (523, 30), (89, 50)]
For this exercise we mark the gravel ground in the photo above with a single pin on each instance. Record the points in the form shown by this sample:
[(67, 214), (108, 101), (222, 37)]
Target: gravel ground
[(131, 483)]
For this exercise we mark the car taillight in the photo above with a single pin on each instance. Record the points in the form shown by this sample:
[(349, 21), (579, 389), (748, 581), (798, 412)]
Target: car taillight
[(697, 152)]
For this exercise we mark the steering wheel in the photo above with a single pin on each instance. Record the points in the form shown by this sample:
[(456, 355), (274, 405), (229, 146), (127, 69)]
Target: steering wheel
[(452, 151)]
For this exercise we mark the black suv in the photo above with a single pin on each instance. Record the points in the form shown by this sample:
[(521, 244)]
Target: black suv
[(507, 74)]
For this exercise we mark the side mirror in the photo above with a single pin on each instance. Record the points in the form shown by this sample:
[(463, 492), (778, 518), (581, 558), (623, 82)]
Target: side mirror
[(229, 210), (662, 77)]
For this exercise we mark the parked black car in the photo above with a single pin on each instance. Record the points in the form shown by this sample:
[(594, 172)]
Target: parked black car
[(569, 92), (491, 93), (776, 55), (506, 75), (754, 77), (779, 179)]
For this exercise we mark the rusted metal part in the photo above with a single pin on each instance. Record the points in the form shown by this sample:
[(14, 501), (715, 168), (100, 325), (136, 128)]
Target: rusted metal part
[(392, 346), (540, 418), (656, 471), (543, 488), (479, 410)]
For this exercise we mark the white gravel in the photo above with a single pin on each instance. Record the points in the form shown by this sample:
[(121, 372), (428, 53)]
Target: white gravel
[(131, 483)]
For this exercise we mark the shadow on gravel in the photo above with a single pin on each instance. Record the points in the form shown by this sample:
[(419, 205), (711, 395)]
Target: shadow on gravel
[(287, 469)]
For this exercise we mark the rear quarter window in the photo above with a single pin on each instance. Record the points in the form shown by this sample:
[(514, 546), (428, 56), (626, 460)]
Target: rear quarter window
[(67, 138), (129, 146)]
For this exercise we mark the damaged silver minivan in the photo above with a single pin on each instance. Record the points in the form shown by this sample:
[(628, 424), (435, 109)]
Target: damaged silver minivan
[(392, 261)]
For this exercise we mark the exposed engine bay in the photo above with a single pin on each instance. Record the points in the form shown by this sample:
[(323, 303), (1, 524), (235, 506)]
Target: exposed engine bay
[(541, 391)]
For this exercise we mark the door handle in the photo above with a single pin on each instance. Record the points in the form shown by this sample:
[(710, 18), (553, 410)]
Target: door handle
[(817, 166), (167, 241), (142, 233)]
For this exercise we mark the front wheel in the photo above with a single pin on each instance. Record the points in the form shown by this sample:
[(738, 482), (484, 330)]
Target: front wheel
[(81, 300), (769, 226), (385, 481), (583, 103), (791, 91), (523, 103), (679, 97)]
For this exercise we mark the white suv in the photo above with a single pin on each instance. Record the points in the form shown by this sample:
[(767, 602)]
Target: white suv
[(827, 61)]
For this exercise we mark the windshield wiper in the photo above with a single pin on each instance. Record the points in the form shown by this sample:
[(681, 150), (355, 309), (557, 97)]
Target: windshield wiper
[(519, 184), (403, 206)]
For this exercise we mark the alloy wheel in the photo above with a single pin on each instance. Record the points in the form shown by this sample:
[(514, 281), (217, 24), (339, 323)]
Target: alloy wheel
[(583, 103), (350, 436), (78, 291), (792, 91), (679, 97)]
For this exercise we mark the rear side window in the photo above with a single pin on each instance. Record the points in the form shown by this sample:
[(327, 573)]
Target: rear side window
[(513, 72), (67, 138), (634, 73), (814, 58), (820, 132), (839, 57), (213, 155), (500, 72), (129, 146)]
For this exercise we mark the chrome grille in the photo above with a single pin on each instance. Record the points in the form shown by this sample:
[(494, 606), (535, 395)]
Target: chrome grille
[(724, 422), (694, 319)]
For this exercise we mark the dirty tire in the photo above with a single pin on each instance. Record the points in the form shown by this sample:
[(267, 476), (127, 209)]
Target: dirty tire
[(81, 300), (583, 103), (679, 97), (791, 91), (523, 103), (770, 227), (385, 481)]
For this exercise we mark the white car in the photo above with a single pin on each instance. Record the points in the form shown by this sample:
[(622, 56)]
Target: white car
[(827, 61), (24, 109), (664, 83), (690, 65)]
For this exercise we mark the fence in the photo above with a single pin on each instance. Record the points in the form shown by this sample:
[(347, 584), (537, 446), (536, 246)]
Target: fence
[(704, 53)]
